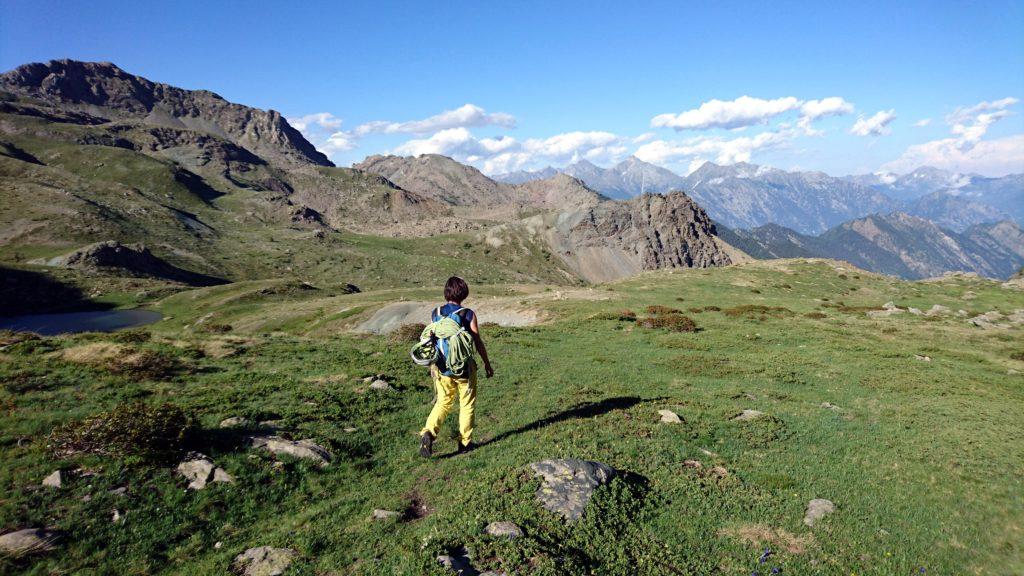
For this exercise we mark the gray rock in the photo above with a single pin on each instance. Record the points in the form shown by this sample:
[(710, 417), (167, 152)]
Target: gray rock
[(201, 471), (306, 449), (54, 480), (747, 415), (669, 417), (28, 541), (923, 358), (504, 529), (818, 509), (915, 311), (937, 310), (829, 406), (379, 514), (568, 484), (234, 422), (264, 561), (381, 385)]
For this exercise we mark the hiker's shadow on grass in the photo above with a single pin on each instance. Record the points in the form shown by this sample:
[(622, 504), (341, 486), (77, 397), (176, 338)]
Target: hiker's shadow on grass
[(586, 410)]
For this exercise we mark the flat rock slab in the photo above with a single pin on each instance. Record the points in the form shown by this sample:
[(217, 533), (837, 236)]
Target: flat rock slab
[(504, 530), (201, 471), (28, 541), (748, 415), (264, 561), (669, 417), (568, 484), (54, 480), (818, 509), (306, 449)]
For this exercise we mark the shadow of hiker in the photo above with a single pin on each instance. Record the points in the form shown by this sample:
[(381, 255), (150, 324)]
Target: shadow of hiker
[(586, 410)]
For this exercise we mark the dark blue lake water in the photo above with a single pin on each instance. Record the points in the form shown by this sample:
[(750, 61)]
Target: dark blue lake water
[(70, 322)]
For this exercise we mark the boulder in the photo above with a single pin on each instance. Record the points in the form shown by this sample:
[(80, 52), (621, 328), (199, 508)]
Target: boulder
[(568, 484), (669, 417), (747, 415), (937, 310), (829, 406), (54, 480), (818, 509), (200, 471), (28, 541), (504, 530), (379, 514), (264, 561), (306, 449), (234, 422), (381, 385)]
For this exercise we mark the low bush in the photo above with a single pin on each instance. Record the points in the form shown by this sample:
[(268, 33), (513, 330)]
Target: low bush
[(658, 309), (750, 310), (670, 322), (215, 328), (144, 365), (621, 316), (130, 429), (134, 336), (816, 315), (1018, 355), (407, 333)]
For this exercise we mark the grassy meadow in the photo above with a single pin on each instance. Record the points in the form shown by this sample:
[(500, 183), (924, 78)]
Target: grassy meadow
[(920, 447)]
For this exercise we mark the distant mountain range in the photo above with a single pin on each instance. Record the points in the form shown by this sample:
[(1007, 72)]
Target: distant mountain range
[(898, 244), (746, 195)]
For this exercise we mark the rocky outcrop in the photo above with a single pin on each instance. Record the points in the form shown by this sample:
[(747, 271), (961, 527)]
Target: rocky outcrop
[(440, 178), (567, 485), (101, 89), (28, 541), (133, 258)]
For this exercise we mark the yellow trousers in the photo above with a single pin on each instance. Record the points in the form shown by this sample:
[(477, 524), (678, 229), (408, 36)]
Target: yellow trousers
[(446, 388)]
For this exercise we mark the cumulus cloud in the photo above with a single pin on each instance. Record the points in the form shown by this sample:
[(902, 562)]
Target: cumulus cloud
[(466, 116), (989, 157), (876, 125), (966, 150), (506, 154), (324, 120), (723, 150), (813, 110), (739, 113)]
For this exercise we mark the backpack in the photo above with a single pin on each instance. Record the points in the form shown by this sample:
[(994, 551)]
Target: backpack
[(453, 341)]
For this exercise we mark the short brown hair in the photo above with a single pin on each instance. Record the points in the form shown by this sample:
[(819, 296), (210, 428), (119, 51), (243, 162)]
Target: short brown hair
[(456, 289)]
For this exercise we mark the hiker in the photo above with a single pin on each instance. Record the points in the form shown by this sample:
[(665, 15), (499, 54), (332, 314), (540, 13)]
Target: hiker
[(454, 371)]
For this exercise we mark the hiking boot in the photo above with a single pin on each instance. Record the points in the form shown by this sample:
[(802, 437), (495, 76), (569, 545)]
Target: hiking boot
[(467, 448), (427, 445)]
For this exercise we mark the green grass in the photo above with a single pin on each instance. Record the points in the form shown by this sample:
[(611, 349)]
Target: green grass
[(924, 460)]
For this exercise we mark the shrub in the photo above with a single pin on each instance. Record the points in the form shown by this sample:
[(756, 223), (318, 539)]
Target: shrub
[(695, 309), (144, 365), (621, 316), (712, 309), (130, 429), (407, 333), (670, 322), (215, 328), (658, 309), (816, 315), (134, 336), (750, 310), (1019, 355)]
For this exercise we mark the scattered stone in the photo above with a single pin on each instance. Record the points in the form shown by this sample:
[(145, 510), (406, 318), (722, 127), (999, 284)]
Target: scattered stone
[(379, 514), (961, 313), (719, 472), (829, 406), (271, 424), (923, 358), (54, 480), (818, 509), (915, 311), (883, 313), (969, 295), (118, 491), (117, 517), (351, 430), (218, 545), (459, 562), (504, 530), (748, 415), (381, 385), (669, 417), (937, 310), (234, 422), (569, 483), (200, 471), (264, 561), (299, 448), (890, 306), (28, 541), (695, 464)]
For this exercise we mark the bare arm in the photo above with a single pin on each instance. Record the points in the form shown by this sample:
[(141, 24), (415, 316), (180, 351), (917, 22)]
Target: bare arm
[(474, 329)]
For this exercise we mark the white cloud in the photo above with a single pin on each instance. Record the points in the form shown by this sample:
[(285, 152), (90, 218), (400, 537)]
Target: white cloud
[(466, 116), (646, 136), (337, 142), (876, 125), (812, 110), (506, 154), (724, 150), (989, 157), (741, 112), (966, 151), (324, 120), (923, 122)]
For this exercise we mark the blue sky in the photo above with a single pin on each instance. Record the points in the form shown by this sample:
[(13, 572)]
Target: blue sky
[(528, 84)]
